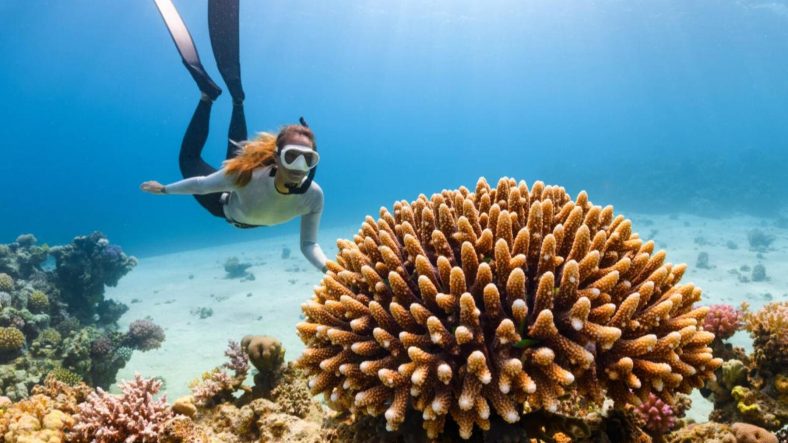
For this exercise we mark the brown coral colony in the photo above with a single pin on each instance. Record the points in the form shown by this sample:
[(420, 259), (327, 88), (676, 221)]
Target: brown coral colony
[(500, 301)]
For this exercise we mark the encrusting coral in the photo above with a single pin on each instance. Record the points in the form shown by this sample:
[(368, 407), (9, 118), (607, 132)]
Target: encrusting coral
[(500, 301), (43, 417)]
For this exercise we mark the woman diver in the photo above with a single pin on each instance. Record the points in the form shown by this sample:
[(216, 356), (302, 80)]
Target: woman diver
[(262, 182)]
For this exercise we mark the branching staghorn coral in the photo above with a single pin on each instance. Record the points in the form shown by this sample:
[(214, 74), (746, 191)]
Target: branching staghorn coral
[(133, 416), (501, 300)]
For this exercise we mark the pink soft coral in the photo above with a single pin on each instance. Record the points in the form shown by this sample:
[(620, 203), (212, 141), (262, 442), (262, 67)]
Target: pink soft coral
[(723, 321), (658, 416), (132, 417)]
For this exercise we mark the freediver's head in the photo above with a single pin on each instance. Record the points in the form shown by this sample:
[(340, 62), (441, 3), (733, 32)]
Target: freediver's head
[(268, 149), (295, 154)]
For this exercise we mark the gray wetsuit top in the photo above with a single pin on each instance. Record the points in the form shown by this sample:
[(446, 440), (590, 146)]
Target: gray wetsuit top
[(260, 203)]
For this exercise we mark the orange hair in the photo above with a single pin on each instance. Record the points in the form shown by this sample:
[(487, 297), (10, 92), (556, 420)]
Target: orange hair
[(261, 151)]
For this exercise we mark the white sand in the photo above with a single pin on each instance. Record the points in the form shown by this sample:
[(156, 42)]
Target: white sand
[(167, 294)]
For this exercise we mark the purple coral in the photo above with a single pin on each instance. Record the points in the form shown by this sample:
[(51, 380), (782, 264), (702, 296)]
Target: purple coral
[(658, 416), (723, 321), (133, 416), (145, 335), (101, 346), (239, 361)]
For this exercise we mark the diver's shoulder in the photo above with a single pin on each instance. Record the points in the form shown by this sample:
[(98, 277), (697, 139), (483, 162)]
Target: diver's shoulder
[(315, 188), (315, 196)]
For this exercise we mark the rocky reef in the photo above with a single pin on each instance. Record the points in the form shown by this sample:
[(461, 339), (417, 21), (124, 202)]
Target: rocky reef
[(54, 318), (472, 307)]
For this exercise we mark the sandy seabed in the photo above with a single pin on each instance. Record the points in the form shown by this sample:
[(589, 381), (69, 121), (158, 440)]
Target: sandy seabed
[(172, 288)]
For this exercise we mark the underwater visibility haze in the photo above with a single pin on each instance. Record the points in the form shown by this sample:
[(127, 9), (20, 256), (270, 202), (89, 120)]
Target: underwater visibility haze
[(531, 221)]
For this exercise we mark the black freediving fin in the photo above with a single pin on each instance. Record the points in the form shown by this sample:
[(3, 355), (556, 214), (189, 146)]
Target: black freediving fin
[(224, 28), (183, 41)]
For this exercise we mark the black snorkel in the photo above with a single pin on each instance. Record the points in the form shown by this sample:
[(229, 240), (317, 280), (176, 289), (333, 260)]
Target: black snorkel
[(304, 186)]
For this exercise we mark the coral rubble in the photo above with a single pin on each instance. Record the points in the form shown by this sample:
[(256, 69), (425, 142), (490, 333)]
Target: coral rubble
[(468, 306)]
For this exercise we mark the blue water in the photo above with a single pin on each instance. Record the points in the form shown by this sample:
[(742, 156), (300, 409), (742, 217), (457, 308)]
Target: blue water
[(649, 105)]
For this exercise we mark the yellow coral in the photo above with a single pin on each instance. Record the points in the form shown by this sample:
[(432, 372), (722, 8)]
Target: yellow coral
[(467, 304), (781, 384), (6, 282), (38, 302), (66, 376), (11, 339)]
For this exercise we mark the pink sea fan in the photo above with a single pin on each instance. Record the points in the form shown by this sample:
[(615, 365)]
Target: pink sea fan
[(131, 417), (658, 416), (723, 320)]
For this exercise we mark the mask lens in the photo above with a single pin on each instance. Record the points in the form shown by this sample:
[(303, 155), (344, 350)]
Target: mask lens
[(291, 155), (310, 158)]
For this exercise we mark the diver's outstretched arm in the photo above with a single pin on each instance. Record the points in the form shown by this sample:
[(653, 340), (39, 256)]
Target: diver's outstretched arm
[(219, 181), (183, 41), (310, 225)]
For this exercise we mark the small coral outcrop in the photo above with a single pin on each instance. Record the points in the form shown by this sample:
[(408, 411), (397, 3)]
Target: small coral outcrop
[(723, 321), (11, 339), (220, 384), (658, 417), (467, 306), (38, 302), (145, 335), (6, 282), (768, 328)]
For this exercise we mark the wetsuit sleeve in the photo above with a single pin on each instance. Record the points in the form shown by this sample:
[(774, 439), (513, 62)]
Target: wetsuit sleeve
[(216, 182), (310, 224)]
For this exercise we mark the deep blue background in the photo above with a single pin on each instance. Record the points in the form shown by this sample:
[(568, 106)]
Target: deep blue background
[(642, 103)]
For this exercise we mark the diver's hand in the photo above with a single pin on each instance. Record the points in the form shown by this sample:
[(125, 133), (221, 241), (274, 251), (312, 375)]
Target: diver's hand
[(153, 187)]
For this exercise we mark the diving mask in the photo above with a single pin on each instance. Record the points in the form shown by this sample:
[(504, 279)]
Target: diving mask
[(298, 157)]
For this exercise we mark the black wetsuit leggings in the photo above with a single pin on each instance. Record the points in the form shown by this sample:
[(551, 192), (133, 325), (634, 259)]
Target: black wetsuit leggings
[(223, 26), (190, 158)]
